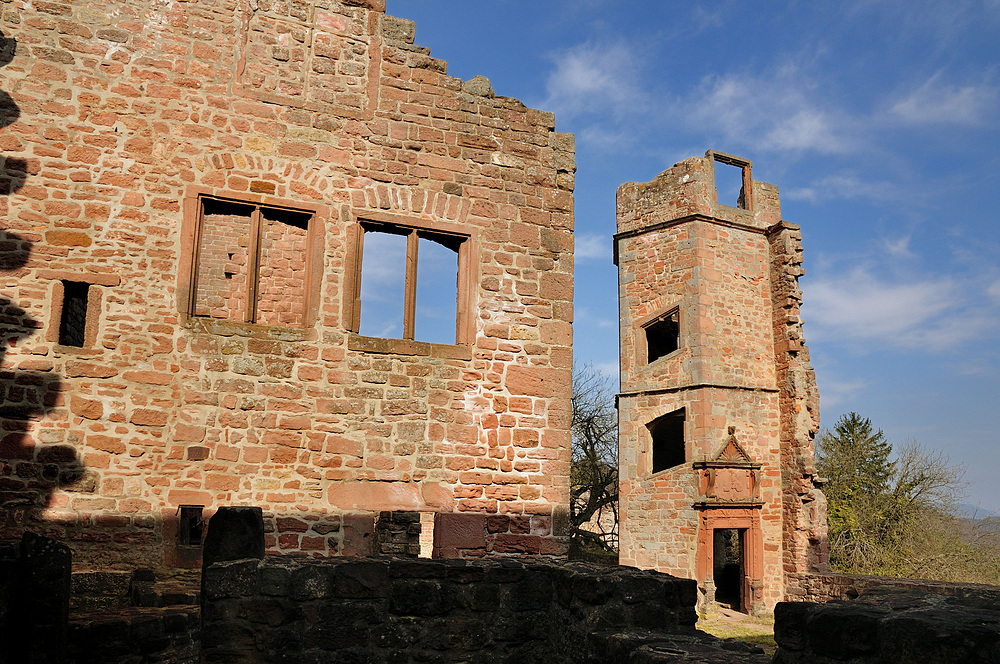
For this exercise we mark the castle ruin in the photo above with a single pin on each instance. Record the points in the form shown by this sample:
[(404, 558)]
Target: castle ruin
[(197, 198)]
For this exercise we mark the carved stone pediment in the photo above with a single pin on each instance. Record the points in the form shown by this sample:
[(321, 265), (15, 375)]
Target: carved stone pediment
[(729, 478)]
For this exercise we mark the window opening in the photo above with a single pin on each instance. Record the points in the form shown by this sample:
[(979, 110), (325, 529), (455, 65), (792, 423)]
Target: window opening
[(728, 569), (662, 336), (667, 433), (729, 184), (437, 292), (73, 320), (190, 525), (252, 263), (409, 284), (383, 285)]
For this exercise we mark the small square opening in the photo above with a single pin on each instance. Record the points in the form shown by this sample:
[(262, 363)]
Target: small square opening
[(190, 525)]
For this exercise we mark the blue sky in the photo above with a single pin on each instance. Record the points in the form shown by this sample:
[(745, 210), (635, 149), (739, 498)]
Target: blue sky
[(878, 121)]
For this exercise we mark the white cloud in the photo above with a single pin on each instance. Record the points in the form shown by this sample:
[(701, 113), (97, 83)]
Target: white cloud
[(994, 289), (899, 247), (848, 186), (834, 393), (593, 246), (860, 307), (594, 78), (773, 111), (936, 102)]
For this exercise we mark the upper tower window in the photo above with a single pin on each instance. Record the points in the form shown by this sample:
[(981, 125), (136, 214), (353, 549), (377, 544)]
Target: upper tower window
[(662, 335), (732, 180)]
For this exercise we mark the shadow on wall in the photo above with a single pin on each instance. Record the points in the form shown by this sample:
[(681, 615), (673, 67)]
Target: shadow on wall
[(29, 473)]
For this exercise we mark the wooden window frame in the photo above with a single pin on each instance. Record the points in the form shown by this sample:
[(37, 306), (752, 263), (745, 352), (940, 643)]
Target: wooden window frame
[(194, 205), (462, 239)]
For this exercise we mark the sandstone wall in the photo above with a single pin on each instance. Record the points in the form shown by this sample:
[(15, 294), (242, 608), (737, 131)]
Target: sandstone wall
[(120, 122)]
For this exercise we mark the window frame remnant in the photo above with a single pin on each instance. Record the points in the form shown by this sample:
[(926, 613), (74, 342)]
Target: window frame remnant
[(459, 239), (654, 326), (92, 296), (745, 201), (194, 224), (666, 450)]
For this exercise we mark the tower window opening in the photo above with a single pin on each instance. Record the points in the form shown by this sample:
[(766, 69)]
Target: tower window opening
[(667, 434), (662, 336)]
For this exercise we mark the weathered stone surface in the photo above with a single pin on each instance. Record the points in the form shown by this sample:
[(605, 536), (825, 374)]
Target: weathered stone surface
[(455, 611), (892, 623)]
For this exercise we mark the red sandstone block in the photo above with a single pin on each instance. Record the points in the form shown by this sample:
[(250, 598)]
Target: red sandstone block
[(509, 543), (290, 524), (149, 417), (359, 534), (189, 433), (148, 377), (106, 444)]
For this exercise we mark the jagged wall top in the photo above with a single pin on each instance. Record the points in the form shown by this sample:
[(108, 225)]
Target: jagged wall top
[(688, 188)]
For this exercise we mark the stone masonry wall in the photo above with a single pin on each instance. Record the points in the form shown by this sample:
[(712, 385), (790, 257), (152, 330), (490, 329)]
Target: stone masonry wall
[(282, 609), (119, 121)]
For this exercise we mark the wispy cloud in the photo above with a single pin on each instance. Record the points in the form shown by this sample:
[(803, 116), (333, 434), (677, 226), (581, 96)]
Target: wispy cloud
[(594, 78), (779, 110), (860, 307), (834, 393), (593, 246), (939, 103), (849, 186)]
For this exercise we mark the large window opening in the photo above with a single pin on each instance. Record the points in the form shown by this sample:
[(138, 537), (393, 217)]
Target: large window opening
[(252, 263), (73, 318), (662, 336), (411, 284), (728, 566), (667, 435)]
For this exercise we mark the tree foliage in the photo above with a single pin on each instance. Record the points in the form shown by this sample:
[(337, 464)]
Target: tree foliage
[(894, 512), (594, 473)]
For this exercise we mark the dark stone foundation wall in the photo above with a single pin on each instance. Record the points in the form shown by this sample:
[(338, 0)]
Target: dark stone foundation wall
[(392, 610), (890, 621)]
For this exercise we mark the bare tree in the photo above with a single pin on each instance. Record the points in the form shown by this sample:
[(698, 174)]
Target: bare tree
[(594, 475)]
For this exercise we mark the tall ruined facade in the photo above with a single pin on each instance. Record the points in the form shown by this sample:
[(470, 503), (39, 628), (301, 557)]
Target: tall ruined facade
[(718, 404), (195, 198)]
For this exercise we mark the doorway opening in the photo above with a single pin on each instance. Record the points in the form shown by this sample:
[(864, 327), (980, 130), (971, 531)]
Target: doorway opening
[(729, 570)]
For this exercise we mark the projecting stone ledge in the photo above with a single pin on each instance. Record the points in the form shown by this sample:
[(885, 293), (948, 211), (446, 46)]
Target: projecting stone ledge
[(892, 624)]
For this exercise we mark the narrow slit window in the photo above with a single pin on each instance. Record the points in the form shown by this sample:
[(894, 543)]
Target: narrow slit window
[(190, 525), (73, 320), (667, 436), (662, 336)]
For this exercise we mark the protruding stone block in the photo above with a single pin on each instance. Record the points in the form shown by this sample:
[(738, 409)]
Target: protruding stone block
[(234, 533)]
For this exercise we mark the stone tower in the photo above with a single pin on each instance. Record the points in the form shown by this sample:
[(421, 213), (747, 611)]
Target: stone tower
[(718, 404)]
